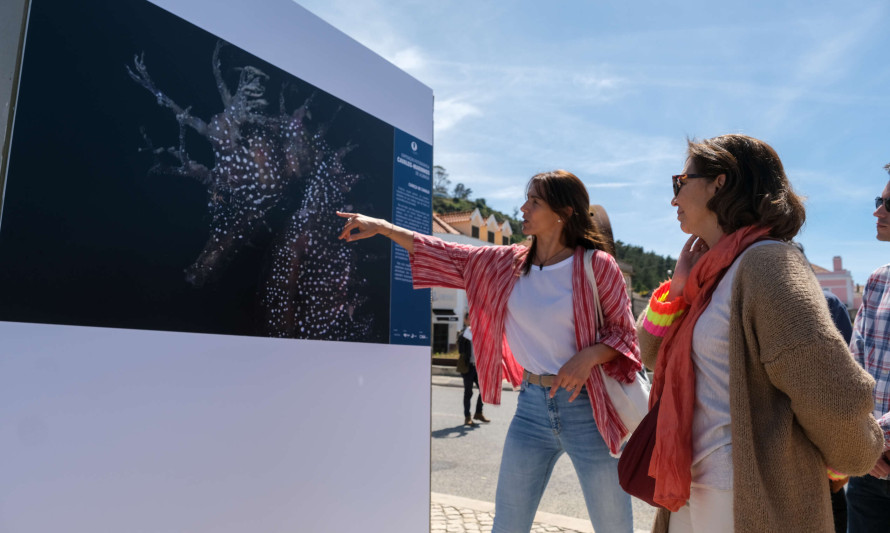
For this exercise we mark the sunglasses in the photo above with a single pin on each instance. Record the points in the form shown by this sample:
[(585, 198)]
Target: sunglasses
[(882, 201), (679, 180)]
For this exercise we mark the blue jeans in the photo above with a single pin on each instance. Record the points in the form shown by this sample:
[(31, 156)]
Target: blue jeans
[(868, 505), (541, 431)]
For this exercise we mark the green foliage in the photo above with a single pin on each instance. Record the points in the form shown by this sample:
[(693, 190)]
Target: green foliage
[(650, 269), (447, 204), (462, 192)]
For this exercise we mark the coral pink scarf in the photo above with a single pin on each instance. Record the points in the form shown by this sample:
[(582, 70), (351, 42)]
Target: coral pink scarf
[(674, 381)]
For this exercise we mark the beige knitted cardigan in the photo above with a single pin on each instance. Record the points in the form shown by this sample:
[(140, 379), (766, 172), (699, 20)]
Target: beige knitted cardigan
[(798, 400)]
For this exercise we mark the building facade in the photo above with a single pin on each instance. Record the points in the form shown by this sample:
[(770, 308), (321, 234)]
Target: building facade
[(840, 282), (450, 305)]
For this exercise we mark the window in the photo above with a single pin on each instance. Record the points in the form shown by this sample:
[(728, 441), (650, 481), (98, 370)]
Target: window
[(505, 240), (475, 232), (440, 338), (491, 237)]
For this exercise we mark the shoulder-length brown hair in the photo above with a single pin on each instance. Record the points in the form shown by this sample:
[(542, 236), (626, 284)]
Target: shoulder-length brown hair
[(565, 194), (756, 191)]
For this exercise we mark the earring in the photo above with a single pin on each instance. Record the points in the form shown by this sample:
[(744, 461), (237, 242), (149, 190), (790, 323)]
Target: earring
[(559, 220)]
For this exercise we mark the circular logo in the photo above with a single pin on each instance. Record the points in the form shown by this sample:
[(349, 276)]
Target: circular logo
[(413, 146)]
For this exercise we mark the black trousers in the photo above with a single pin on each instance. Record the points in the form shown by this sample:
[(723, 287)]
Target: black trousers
[(470, 378), (839, 507), (868, 504)]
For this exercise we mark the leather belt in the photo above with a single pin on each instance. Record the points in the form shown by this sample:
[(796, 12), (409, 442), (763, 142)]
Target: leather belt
[(535, 379)]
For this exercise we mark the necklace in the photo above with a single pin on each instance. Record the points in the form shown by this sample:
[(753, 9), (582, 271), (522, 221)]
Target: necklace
[(541, 263)]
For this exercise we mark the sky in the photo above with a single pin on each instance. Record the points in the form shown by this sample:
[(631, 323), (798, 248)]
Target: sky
[(611, 90)]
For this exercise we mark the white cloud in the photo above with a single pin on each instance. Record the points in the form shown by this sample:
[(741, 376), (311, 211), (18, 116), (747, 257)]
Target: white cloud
[(410, 59), (373, 25), (449, 112), (598, 87), (613, 102)]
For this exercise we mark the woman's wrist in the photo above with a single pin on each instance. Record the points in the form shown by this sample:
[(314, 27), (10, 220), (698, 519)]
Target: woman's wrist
[(663, 310), (387, 228), (676, 290), (598, 354), (675, 287)]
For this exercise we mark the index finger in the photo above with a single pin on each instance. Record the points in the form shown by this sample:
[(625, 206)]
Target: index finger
[(575, 394), (557, 383), (348, 226)]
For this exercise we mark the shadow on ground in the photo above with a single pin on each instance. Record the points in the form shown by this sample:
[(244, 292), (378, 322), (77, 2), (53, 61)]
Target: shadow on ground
[(454, 432)]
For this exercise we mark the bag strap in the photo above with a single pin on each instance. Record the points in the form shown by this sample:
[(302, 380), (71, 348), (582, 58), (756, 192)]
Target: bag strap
[(588, 269)]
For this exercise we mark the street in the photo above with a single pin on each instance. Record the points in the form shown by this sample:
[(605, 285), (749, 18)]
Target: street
[(465, 460)]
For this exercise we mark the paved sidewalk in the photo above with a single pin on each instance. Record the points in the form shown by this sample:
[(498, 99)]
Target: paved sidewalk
[(453, 514)]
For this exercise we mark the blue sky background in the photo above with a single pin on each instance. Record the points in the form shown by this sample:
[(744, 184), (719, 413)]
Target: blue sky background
[(610, 90)]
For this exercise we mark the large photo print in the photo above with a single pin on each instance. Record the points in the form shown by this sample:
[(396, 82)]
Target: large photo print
[(182, 184)]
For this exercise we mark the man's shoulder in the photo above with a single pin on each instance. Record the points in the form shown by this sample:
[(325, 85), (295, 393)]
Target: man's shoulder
[(883, 270), (880, 276)]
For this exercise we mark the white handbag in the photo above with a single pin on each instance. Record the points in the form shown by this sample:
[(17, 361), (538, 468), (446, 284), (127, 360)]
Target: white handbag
[(631, 400)]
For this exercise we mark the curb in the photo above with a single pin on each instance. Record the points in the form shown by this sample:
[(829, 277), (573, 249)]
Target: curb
[(443, 370), (449, 377)]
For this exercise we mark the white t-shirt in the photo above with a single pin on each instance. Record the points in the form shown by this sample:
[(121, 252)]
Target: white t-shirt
[(540, 323), (711, 422), (468, 334)]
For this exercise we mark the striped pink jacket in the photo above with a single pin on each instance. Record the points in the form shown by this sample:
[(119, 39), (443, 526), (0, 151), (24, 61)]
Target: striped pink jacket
[(488, 274)]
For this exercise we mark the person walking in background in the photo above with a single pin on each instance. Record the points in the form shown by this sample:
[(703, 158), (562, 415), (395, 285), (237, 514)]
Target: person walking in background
[(868, 497), (841, 318), (466, 365), (756, 390), (533, 318)]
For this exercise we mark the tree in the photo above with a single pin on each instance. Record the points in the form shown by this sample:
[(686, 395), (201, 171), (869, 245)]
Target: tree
[(650, 269), (462, 192), (441, 183)]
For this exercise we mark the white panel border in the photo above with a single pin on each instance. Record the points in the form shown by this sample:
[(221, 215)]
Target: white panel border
[(146, 431), (293, 39), (129, 430)]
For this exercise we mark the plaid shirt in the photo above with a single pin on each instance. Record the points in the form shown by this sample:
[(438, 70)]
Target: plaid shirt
[(871, 342)]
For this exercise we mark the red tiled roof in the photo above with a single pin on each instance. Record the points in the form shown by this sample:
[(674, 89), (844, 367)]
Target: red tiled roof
[(451, 218), (819, 270), (440, 226)]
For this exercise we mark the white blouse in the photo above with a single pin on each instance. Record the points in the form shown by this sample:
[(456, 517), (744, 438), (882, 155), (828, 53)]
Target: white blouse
[(540, 324)]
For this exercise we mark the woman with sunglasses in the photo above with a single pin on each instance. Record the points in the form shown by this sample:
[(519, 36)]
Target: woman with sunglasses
[(757, 390), (533, 319)]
